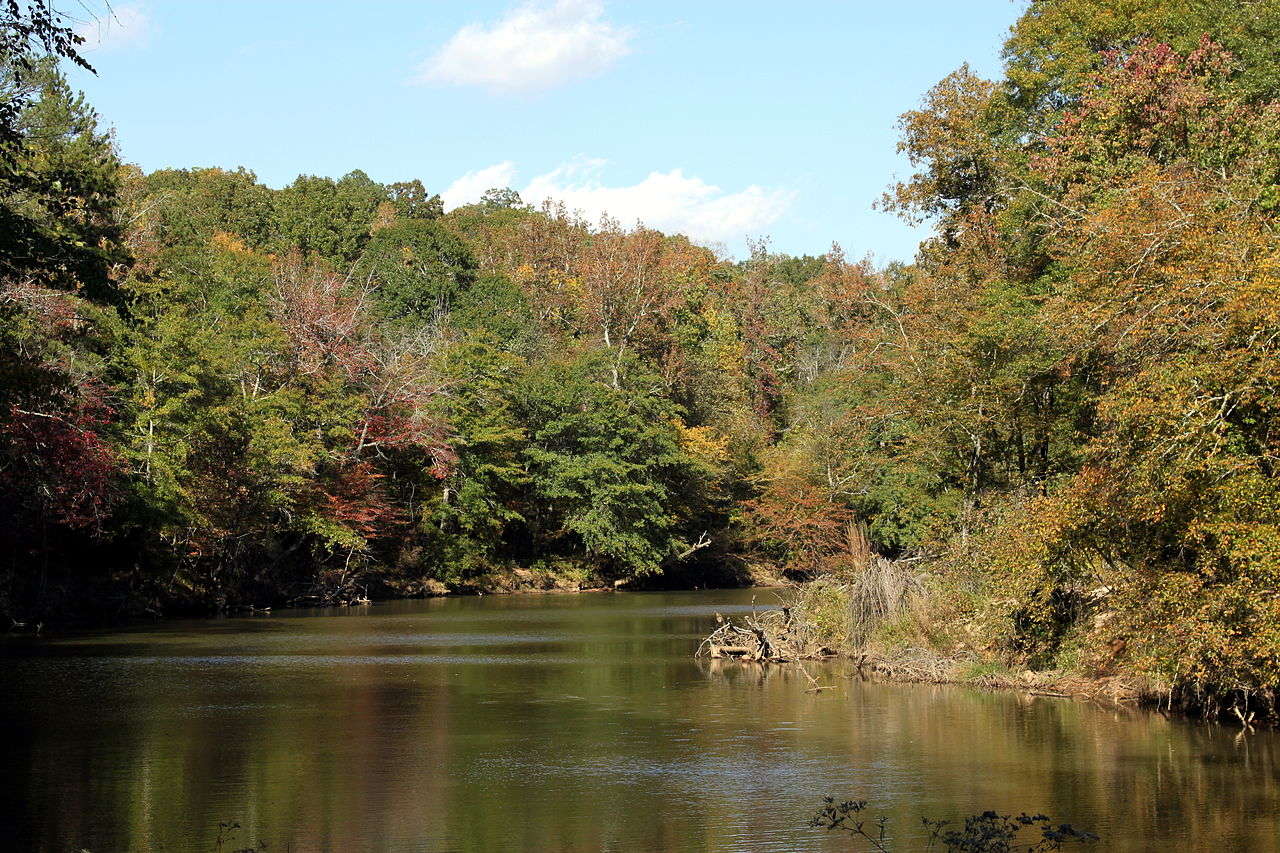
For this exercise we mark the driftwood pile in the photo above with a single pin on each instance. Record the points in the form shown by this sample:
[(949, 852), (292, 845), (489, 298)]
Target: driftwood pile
[(764, 636)]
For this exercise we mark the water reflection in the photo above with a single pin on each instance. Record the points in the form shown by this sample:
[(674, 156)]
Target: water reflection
[(560, 723)]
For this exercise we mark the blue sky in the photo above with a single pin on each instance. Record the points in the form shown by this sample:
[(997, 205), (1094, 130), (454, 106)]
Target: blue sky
[(723, 119)]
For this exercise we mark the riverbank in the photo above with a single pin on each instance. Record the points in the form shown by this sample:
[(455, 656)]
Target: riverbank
[(519, 580), (381, 591), (922, 666), (1116, 691), (1120, 685), (894, 625)]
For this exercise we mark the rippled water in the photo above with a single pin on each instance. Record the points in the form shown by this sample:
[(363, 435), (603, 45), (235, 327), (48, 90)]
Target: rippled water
[(560, 722)]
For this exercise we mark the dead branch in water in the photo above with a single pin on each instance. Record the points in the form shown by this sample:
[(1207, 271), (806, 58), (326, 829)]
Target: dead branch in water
[(764, 636)]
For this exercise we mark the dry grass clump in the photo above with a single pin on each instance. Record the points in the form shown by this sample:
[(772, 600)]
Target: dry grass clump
[(881, 591)]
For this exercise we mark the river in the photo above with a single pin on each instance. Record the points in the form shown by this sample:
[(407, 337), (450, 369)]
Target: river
[(561, 723)]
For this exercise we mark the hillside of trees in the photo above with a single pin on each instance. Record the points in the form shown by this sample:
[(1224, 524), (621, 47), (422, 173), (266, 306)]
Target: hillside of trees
[(214, 393)]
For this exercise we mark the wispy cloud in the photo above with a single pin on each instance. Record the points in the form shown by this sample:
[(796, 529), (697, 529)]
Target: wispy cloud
[(116, 27), (534, 46), (670, 201)]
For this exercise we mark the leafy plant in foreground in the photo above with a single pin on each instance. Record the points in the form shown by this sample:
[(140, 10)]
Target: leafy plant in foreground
[(986, 832)]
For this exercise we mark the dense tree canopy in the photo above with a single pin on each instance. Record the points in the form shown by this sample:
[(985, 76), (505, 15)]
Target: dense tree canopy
[(213, 392)]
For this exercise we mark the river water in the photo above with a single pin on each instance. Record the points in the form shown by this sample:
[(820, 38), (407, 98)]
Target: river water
[(561, 723)]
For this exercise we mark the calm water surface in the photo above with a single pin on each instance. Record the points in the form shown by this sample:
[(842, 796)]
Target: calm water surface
[(565, 722)]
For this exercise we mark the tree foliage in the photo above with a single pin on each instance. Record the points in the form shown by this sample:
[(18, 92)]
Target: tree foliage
[(216, 392)]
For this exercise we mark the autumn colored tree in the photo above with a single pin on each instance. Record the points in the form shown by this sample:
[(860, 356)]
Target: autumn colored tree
[(1064, 410), (1078, 336)]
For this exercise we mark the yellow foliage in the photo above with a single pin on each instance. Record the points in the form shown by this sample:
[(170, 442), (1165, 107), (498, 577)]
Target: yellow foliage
[(524, 273), (703, 442), (230, 242), (723, 345)]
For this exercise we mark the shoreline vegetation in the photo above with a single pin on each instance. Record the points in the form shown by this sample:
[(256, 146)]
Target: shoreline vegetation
[(887, 624), (1050, 444)]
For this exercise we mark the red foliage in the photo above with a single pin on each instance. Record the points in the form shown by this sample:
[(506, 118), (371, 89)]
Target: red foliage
[(396, 429), (356, 499), (332, 329), (57, 465), (805, 519), (1148, 103)]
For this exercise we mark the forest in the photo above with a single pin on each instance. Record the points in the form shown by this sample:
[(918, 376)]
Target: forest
[(1063, 414)]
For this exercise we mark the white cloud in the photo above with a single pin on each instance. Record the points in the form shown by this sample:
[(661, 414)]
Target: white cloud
[(471, 186), (115, 27), (534, 46), (670, 201)]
